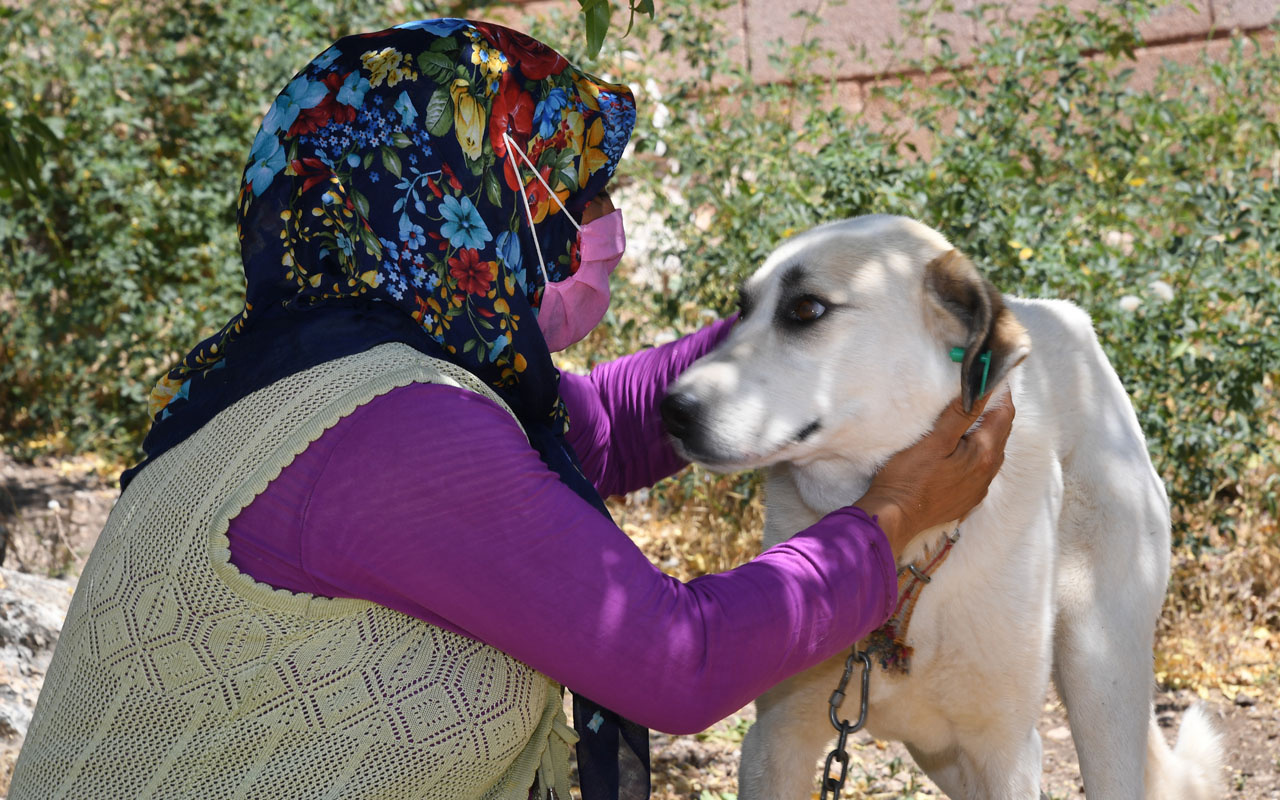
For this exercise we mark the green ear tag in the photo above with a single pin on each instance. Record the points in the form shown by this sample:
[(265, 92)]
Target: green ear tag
[(957, 355)]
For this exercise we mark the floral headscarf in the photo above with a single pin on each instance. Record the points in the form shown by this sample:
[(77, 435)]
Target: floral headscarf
[(380, 175), (379, 205)]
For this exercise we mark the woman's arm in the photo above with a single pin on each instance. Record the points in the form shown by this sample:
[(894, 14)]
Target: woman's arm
[(462, 525), (614, 425)]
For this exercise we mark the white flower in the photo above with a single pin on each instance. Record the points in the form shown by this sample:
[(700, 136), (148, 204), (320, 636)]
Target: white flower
[(1130, 303), (1120, 241), (1162, 290), (54, 505), (651, 89), (661, 116)]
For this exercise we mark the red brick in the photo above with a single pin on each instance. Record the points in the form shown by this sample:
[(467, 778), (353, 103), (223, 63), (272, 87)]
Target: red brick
[(885, 115), (850, 96), (1150, 60), (849, 30), (530, 15), (731, 21), (1229, 14), (1174, 20), (639, 49)]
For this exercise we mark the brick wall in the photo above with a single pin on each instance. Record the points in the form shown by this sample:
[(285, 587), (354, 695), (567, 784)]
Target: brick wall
[(860, 30)]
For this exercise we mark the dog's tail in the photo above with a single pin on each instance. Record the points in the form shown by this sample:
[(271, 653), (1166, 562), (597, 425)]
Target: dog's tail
[(1193, 769)]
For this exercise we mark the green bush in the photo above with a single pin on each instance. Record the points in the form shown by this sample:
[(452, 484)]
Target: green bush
[(1055, 171), (117, 205), (1046, 162)]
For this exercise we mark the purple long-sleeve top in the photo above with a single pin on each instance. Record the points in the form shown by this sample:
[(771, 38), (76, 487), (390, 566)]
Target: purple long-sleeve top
[(489, 543)]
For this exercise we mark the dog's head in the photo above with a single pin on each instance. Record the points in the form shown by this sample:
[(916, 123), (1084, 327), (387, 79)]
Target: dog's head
[(844, 349)]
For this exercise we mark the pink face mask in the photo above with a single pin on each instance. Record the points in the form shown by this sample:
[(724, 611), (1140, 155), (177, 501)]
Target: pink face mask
[(575, 305)]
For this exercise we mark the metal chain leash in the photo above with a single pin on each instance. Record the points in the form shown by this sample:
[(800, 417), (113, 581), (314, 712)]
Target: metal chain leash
[(832, 785)]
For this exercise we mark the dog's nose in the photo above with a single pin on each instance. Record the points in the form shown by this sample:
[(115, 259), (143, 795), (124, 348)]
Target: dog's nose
[(678, 411)]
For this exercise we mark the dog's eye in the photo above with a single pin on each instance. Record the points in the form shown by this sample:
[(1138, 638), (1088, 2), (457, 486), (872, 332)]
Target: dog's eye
[(806, 309)]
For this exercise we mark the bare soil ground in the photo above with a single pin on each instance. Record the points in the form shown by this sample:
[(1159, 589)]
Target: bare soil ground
[(704, 767), (1219, 644)]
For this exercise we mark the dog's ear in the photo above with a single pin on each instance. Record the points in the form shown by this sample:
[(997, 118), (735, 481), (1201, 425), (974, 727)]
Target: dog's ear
[(972, 315)]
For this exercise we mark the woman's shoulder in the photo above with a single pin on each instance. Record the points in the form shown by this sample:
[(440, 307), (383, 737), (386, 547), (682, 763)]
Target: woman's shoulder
[(431, 412)]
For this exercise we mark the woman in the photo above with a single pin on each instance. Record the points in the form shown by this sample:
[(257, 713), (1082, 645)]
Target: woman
[(367, 545)]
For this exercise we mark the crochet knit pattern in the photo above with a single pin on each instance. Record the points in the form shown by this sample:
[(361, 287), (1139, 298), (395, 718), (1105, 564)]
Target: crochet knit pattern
[(177, 676)]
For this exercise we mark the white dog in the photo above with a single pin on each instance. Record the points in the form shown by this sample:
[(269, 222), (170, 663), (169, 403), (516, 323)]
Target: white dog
[(844, 357)]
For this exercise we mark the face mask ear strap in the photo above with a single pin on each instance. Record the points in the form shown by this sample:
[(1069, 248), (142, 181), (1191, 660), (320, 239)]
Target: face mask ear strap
[(511, 147), (554, 197)]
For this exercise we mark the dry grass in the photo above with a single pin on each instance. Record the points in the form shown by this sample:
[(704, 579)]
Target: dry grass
[(1220, 629), (696, 523), (1221, 623), (1219, 637)]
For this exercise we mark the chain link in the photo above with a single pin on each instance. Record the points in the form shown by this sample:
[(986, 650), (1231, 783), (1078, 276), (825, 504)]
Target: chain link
[(832, 785)]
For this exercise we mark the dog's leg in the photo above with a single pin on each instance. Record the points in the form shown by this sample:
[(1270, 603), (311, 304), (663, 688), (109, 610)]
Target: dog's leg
[(1106, 684), (1103, 667), (996, 771), (1113, 565), (792, 728)]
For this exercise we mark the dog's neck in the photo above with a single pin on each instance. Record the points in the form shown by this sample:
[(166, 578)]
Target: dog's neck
[(827, 484), (798, 495)]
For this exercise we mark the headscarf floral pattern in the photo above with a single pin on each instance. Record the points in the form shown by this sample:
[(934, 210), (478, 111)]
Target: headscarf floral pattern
[(380, 204), (381, 173)]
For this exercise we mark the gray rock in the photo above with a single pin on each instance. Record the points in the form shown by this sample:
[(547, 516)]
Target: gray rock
[(31, 613)]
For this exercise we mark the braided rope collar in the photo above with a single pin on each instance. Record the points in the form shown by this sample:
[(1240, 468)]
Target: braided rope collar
[(888, 643)]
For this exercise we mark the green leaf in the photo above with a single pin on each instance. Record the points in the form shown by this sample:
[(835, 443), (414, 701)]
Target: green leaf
[(438, 117), (359, 201), (640, 7), (391, 161), (438, 65), (399, 139), (563, 161), (569, 176), (368, 159), (491, 187), (596, 14), (52, 127)]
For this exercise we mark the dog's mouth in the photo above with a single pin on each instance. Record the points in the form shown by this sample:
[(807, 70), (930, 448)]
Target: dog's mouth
[(692, 421), (808, 431), (724, 463), (698, 443)]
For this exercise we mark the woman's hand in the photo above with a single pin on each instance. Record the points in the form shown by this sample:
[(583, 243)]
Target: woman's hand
[(942, 476)]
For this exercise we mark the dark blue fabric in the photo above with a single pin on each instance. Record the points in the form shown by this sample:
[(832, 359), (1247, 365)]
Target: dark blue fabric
[(379, 204), (381, 174)]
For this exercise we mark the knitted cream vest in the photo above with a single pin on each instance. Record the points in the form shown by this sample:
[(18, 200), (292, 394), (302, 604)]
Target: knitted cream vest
[(177, 676)]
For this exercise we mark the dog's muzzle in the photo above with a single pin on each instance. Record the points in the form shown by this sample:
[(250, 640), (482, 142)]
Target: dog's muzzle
[(679, 412)]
